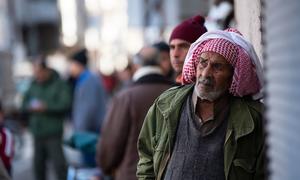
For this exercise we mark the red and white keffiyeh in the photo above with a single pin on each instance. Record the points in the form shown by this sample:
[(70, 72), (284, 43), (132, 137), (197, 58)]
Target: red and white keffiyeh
[(247, 77)]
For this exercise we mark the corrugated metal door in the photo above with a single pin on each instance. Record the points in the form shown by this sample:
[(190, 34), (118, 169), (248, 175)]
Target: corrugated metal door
[(282, 50)]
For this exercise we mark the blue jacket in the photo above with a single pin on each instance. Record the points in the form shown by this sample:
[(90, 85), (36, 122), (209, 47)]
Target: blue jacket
[(89, 103)]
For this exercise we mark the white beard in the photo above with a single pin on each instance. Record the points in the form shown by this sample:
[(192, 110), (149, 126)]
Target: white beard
[(211, 96)]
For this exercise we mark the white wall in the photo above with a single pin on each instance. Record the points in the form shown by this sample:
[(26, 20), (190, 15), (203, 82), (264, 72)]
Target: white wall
[(247, 14)]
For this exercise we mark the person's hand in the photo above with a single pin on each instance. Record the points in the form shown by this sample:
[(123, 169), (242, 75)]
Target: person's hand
[(37, 106)]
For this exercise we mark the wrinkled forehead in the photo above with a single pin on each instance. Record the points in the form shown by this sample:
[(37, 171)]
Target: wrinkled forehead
[(213, 57), (216, 60), (179, 42)]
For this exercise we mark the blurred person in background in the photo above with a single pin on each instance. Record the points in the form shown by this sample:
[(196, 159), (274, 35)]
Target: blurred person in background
[(89, 105), (164, 59), (211, 127), (6, 143), (229, 19), (110, 83), (125, 76), (182, 36), (220, 15), (89, 96), (47, 101), (116, 150)]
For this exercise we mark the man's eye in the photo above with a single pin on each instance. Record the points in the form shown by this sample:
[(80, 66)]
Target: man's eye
[(203, 63), (186, 46), (218, 66)]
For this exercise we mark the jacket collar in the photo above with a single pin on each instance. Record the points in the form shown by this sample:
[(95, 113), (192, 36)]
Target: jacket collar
[(82, 77), (171, 102), (240, 119)]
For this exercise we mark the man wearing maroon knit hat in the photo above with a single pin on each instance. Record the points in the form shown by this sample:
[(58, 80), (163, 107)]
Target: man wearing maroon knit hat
[(181, 38)]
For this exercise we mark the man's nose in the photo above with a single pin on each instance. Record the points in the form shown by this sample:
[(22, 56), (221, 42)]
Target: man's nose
[(176, 52), (207, 71)]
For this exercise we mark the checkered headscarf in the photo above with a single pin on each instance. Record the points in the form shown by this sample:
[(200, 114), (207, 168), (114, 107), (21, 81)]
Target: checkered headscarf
[(247, 77)]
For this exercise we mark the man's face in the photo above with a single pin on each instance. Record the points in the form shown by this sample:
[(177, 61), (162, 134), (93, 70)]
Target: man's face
[(75, 69), (178, 50), (40, 74), (214, 76)]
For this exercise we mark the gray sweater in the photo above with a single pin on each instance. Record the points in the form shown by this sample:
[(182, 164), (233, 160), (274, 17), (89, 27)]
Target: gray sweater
[(198, 151)]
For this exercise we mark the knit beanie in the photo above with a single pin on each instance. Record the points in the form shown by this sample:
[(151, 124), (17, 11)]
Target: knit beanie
[(80, 57), (190, 29)]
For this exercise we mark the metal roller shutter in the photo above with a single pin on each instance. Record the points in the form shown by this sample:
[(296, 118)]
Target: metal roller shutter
[(282, 52)]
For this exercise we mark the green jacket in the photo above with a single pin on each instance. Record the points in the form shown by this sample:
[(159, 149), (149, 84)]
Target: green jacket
[(244, 141), (56, 95)]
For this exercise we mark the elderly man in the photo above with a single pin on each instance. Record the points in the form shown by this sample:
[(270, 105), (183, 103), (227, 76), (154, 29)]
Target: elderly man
[(182, 36), (117, 154), (212, 127)]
